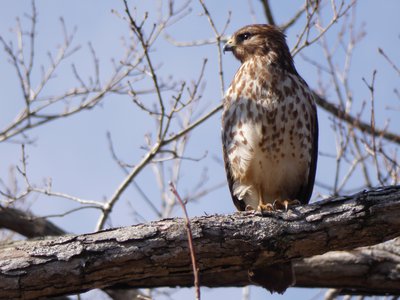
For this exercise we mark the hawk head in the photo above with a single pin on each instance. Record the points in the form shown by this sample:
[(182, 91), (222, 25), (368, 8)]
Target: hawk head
[(261, 40)]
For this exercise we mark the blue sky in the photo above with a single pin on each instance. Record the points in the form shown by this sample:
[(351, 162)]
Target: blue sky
[(74, 152)]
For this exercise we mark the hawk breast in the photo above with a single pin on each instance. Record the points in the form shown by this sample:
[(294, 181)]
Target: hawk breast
[(268, 135)]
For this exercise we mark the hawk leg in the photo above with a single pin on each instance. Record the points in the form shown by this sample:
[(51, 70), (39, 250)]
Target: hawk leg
[(284, 204), (264, 207)]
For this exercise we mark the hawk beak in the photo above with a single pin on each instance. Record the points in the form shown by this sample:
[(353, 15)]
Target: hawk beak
[(228, 46)]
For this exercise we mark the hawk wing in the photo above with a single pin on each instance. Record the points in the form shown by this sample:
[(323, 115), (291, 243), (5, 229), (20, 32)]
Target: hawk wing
[(307, 188), (240, 205)]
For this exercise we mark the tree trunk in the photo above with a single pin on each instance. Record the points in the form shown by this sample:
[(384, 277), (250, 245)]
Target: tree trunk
[(156, 254)]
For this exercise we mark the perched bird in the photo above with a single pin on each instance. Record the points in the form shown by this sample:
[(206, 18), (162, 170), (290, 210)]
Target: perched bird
[(269, 133)]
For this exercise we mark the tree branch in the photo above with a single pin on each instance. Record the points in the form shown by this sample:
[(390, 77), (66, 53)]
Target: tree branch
[(357, 123), (156, 254), (31, 226), (268, 12), (373, 270), (26, 224)]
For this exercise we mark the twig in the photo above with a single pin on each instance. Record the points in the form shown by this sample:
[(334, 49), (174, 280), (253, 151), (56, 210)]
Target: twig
[(156, 148), (194, 43), (218, 37), (190, 241), (307, 26), (371, 88), (364, 168), (124, 168), (137, 30), (337, 15), (393, 65), (70, 211), (47, 191), (293, 20), (33, 114), (125, 183), (193, 125), (268, 12)]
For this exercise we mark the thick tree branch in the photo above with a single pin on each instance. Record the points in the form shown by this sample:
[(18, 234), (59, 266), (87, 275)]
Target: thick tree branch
[(30, 226), (26, 224), (373, 270), (156, 254)]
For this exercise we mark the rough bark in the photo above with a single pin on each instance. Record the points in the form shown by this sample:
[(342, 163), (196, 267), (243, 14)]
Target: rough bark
[(373, 270), (28, 225), (156, 254)]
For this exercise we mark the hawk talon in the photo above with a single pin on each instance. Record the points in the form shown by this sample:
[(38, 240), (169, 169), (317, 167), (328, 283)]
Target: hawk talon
[(285, 204), (249, 208), (265, 209)]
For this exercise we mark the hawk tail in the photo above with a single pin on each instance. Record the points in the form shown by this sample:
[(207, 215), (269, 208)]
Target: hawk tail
[(275, 278)]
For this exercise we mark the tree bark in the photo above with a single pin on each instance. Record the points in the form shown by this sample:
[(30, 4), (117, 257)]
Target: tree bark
[(28, 225), (373, 270), (156, 254)]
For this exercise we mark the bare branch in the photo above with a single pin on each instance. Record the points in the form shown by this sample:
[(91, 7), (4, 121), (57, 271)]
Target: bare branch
[(268, 12), (356, 122), (26, 224), (364, 271), (294, 19), (392, 64), (195, 43), (137, 30), (218, 37), (322, 30)]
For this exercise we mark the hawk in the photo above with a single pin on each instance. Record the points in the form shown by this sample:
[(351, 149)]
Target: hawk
[(269, 133)]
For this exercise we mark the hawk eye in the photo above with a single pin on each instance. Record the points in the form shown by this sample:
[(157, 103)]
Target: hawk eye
[(244, 36)]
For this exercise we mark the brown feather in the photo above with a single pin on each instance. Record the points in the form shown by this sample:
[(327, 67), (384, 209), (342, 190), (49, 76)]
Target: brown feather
[(240, 205), (307, 189)]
